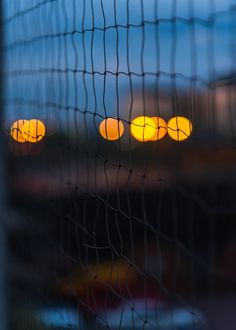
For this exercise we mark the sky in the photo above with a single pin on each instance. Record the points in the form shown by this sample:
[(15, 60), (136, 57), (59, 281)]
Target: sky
[(179, 47)]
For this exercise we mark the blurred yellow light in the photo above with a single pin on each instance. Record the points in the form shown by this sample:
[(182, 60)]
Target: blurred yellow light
[(33, 130), (179, 128), (16, 130), (161, 128), (143, 128), (111, 129)]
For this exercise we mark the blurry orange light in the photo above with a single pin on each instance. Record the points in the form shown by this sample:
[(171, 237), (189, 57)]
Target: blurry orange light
[(111, 129), (179, 128), (16, 130), (143, 128), (33, 130), (161, 128)]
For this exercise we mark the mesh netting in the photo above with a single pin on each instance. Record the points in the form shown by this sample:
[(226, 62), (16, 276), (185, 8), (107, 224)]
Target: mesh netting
[(122, 234)]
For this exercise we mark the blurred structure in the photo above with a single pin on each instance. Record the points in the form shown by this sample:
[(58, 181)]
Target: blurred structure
[(113, 232), (224, 121), (4, 308)]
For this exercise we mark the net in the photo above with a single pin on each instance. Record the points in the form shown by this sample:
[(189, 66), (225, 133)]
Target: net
[(121, 129)]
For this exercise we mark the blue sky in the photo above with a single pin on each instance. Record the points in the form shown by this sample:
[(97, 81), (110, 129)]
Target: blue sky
[(194, 49)]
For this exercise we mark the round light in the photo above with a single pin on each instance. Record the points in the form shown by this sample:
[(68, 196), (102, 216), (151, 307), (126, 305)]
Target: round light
[(143, 128), (111, 129), (179, 128), (33, 130), (16, 131), (161, 128)]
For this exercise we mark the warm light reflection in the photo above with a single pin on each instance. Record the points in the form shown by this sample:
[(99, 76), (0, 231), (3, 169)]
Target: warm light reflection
[(33, 130), (179, 128), (16, 130), (111, 129), (143, 128), (161, 128)]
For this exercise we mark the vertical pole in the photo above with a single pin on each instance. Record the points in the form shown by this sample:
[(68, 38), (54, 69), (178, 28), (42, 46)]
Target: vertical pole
[(3, 191)]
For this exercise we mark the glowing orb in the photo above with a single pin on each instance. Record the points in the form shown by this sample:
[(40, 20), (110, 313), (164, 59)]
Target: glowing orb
[(111, 129), (161, 128), (16, 130), (143, 128), (33, 130), (179, 128)]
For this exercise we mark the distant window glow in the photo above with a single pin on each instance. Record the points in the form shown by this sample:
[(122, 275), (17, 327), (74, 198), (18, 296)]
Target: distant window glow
[(16, 130), (27, 130), (161, 128), (111, 129), (143, 128), (179, 128), (33, 130)]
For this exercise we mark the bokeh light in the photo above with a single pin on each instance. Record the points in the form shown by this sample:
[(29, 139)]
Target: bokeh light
[(33, 130), (179, 128), (143, 128), (161, 128), (111, 129), (16, 131)]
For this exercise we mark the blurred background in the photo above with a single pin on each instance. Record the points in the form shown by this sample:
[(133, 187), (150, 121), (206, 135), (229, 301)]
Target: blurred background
[(103, 227)]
